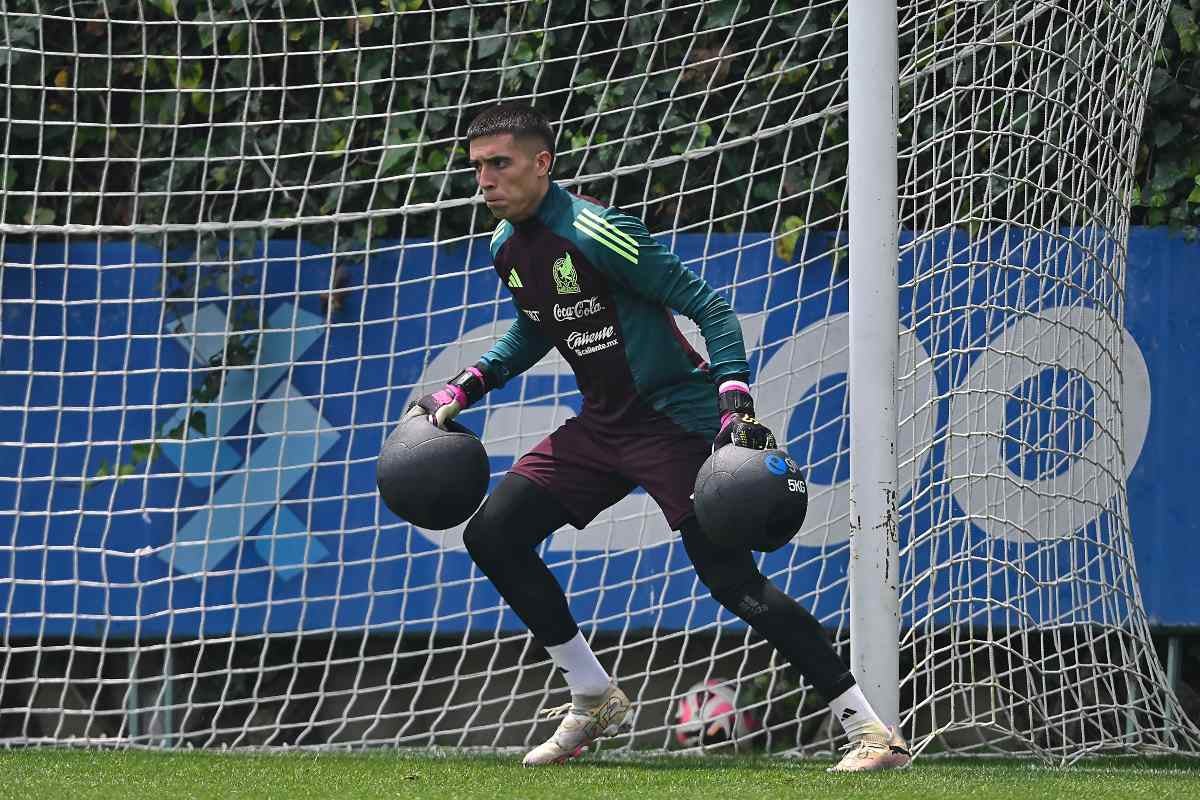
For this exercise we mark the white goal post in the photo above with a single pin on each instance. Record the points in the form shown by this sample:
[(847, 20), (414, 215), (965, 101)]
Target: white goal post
[(872, 199), (236, 239)]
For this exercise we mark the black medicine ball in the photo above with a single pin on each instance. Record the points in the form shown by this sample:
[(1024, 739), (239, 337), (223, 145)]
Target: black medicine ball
[(431, 477), (750, 498)]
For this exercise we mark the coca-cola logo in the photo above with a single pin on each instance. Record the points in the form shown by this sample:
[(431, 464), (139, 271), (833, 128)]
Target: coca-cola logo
[(584, 308)]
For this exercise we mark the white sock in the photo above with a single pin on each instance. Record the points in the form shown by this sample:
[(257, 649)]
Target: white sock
[(852, 710), (579, 666)]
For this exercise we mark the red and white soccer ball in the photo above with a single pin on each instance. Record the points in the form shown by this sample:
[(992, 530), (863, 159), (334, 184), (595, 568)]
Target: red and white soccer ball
[(708, 715)]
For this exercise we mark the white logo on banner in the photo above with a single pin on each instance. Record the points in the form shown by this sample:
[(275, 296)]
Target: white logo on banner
[(1007, 505), (821, 352), (297, 436)]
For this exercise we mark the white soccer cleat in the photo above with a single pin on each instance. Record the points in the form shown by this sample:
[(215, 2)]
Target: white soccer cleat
[(884, 749), (581, 727)]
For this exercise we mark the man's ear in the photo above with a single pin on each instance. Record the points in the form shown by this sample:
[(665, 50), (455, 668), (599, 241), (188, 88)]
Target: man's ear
[(544, 161)]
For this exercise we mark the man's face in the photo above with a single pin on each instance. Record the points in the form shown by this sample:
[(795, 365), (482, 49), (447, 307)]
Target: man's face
[(512, 174)]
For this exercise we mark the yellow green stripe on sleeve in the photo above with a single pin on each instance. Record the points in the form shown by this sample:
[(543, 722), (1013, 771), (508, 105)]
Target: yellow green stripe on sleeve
[(618, 241)]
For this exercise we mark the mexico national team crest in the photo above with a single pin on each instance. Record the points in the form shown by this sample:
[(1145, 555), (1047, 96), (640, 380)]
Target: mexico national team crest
[(565, 276)]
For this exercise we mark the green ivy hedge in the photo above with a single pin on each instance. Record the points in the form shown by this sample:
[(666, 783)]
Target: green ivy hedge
[(268, 111), (120, 115), (1167, 191)]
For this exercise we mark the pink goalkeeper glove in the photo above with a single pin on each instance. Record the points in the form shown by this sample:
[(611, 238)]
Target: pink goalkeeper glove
[(457, 395), (738, 425)]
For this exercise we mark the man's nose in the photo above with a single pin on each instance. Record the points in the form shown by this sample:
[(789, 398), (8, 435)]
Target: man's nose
[(485, 179)]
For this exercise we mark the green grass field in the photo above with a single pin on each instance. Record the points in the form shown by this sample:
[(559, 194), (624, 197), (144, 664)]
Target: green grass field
[(75, 775)]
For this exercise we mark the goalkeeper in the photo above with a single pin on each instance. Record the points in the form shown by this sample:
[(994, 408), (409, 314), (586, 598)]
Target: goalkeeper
[(591, 282)]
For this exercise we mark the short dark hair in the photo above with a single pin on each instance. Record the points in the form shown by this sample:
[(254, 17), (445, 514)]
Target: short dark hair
[(519, 119)]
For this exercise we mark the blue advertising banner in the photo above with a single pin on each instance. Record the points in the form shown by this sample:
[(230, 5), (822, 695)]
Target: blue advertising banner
[(1163, 316), (256, 510)]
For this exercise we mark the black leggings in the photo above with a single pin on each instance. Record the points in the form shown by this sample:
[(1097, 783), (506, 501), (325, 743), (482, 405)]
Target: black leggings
[(503, 536)]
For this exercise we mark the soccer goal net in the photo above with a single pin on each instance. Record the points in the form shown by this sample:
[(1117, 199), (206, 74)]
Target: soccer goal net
[(237, 238)]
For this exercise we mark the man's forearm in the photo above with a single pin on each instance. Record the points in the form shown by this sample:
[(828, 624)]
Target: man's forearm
[(513, 353)]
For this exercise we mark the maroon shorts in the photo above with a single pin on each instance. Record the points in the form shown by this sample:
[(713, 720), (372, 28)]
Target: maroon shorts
[(588, 470)]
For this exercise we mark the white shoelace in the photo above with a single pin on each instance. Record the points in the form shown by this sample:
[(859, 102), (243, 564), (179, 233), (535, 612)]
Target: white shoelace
[(556, 711)]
